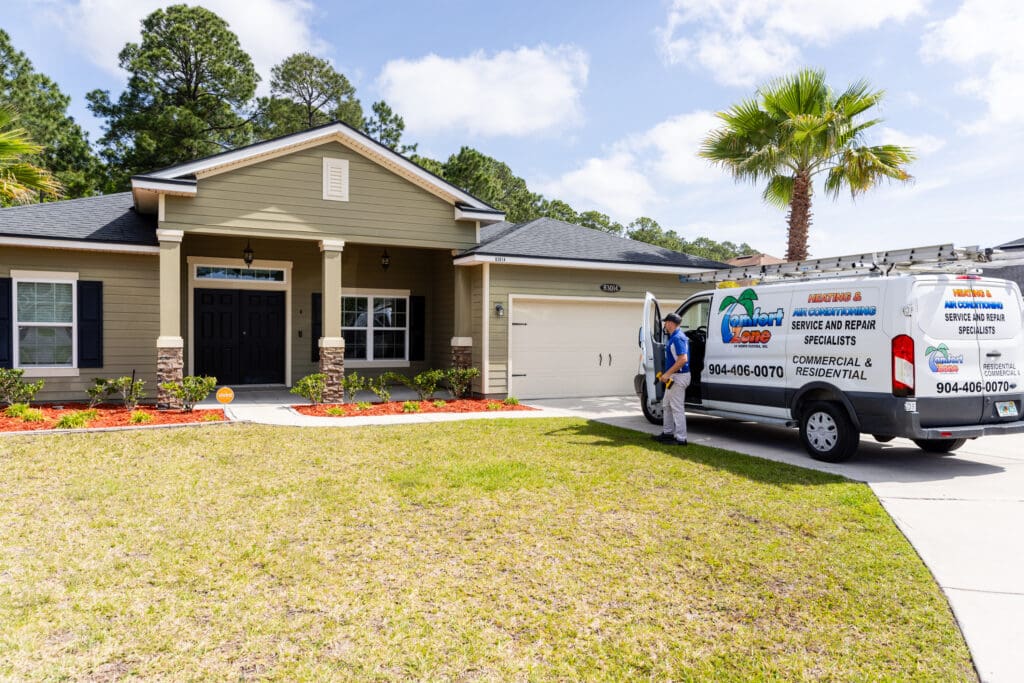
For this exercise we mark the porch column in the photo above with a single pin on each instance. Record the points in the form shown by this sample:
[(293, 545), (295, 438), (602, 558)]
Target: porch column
[(332, 344), (170, 347), (462, 342)]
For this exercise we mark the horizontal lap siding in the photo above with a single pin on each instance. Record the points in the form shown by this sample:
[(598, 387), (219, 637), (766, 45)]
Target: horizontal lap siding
[(131, 313), (285, 196), (540, 281)]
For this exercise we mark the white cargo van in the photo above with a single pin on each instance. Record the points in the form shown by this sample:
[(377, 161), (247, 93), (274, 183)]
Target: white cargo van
[(935, 358)]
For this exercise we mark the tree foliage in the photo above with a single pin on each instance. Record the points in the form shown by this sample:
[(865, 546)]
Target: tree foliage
[(20, 180), (190, 84), (306, 91), (387, 127), (494, 182), (41, 108), (797, 128)]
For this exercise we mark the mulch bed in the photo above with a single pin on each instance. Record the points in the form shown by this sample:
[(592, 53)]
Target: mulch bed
[(465, 405), (106, 416)]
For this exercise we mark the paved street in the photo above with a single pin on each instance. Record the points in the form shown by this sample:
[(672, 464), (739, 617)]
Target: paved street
[(964, 513)]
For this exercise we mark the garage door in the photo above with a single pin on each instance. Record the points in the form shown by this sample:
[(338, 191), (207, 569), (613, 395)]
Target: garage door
[(573, 348)]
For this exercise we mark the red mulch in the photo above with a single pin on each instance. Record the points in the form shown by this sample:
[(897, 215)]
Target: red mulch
[(465, 405), (107, 416)]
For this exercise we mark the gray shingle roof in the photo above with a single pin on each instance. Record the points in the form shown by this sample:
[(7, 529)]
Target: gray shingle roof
[(1015, 244), (108, 218), (553, 239)]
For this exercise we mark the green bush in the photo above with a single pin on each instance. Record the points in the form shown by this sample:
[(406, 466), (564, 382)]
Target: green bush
[(16, 409), (212, 416), (311, 388), (363, 405), (132, 391), (14, 389), (381, 386), (410, 407), (140, 417), (460, 379), (32, 415), (335, 411), (511, 401), (494, 406), (440, 404), (353, 383), (425, 383), (190, 390), (77, 419), (101, 390)]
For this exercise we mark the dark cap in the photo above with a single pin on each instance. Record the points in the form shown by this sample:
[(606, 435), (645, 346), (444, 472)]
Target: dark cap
[(672, 318)]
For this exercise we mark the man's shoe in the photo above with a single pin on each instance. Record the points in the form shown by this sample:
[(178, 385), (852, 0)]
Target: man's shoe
[(679, 443), (663, 438)]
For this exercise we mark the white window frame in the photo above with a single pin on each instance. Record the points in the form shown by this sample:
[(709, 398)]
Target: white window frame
[(196, 265), (370, 295), (46, 277)]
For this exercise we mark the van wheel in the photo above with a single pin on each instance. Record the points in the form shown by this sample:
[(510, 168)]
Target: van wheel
[(939, 445), (827, 432), (655, 416)]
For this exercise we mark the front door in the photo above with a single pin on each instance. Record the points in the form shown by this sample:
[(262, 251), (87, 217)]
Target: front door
[(239, 336)]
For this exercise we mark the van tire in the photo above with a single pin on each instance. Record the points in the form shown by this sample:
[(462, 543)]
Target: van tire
[(651, 417), (939, 445), (827, 432)]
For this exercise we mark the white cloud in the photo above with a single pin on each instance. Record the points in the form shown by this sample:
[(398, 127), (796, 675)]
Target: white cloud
[(984, 37), (513, 92), (744, 41), (612, 183), (922, 145), (672, 145), (269, 30)]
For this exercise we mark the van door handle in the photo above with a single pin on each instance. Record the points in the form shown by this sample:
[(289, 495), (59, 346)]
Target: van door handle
[(994, 354)]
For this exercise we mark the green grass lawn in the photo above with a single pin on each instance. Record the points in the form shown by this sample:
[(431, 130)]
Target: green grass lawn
[(506, 549)]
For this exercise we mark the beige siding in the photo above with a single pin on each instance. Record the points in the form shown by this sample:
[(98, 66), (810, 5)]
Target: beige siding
[(130, 313), (284, 197), (507, 280)]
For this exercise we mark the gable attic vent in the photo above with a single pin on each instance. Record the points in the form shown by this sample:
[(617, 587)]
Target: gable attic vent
[(336, 179)]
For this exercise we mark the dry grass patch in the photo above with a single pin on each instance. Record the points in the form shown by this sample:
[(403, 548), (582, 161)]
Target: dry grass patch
[(534, 549)]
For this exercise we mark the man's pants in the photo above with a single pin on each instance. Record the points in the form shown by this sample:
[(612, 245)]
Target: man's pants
[(674, 406)]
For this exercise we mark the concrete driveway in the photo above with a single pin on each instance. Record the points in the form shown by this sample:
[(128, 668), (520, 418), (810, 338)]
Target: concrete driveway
[(963, 512)]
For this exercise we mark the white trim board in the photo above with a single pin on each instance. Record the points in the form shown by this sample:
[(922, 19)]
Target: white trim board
[(77, 245), (475, 259)]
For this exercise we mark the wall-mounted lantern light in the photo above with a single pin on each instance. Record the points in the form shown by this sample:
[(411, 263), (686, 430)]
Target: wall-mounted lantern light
[(247, 254), (499, 310), (385, 260)]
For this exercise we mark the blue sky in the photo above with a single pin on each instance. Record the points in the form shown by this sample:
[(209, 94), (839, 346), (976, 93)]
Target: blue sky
[(603, 104)]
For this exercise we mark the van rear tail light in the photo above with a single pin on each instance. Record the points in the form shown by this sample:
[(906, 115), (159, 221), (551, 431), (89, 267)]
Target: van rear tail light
[(902, 366)]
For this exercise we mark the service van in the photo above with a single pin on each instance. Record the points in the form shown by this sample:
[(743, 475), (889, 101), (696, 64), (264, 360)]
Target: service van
[(936, 358)]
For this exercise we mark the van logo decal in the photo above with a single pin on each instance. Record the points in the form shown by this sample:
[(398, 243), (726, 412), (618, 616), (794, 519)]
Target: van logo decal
[(736, 325), (942, 361)]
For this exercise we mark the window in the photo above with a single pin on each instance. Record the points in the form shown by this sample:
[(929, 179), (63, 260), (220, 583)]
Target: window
[(245, 274), (696, 315), (44, 314), (375, 327)]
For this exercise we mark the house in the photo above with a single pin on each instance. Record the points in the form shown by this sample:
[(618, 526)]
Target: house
[(318, 251), (751, 260), (1013, 271)]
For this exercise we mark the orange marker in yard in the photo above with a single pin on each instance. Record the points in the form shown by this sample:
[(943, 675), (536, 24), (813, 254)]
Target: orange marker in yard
[(225, 395)]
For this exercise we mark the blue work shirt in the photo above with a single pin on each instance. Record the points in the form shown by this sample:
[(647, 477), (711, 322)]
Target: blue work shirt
[(676, 346)]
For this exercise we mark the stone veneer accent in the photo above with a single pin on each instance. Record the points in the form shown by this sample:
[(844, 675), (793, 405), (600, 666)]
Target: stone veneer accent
[(332, 364), (170, 366), (462, 356)]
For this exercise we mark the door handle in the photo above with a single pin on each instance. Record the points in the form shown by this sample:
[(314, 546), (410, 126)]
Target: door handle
[(994, 354), (609, 360), (600, 359)]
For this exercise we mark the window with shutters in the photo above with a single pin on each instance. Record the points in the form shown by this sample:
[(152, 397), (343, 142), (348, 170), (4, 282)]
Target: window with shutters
[(45, 320), (336, 179), (375, 327)]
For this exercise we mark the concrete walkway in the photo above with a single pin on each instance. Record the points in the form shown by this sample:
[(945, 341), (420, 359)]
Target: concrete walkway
[(963, 512)]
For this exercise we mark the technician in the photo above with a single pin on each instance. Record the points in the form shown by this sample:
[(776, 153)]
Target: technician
[(676, 378)]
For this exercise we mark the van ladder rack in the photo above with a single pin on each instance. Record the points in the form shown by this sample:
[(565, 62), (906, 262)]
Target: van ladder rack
[(934, 258)]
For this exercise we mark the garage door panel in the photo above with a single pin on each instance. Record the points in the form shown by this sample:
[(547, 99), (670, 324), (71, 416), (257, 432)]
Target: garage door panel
[(573, 348)]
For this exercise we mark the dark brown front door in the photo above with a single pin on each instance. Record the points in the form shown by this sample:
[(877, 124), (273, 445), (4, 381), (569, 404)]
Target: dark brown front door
[(239, 336)]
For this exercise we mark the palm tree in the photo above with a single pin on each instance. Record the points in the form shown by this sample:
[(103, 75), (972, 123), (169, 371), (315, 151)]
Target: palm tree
[(19, 179), (795, 129)]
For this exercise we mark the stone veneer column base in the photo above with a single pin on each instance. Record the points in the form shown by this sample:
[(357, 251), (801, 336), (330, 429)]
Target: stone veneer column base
[(462, 352), (332, 364), (170, 366)]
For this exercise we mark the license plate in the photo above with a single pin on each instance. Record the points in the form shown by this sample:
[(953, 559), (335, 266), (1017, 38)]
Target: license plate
[(1006, 408)]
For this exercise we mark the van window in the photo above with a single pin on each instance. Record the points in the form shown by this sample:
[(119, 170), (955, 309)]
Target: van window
[(695, 314)]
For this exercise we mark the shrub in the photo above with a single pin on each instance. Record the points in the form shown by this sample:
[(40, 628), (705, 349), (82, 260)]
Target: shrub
[(101, 390), (32, 415), (353, 383), (212, 416), (140, 417), (381, 386), (493, 405), (410, 407), (335, 411), (363, 405), (190, 390), (440, 404), (76, 419), (460, 379), (14, 389), (425, 383), (511, 401), (311, 388), (132, 391), (16, 409)]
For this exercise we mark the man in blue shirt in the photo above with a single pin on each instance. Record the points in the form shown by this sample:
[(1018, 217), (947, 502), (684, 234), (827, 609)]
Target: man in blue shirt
[(677, 377)]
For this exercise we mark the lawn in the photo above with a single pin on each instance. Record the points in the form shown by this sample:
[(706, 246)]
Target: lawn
[(505, 549)]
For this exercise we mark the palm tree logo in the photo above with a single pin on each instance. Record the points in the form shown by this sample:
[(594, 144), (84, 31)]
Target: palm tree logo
[(932, 352), (746, 299)]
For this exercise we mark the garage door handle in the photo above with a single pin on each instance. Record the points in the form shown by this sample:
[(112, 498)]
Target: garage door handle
[(600, 359), (609, 360), (521, 374), (522, 324)]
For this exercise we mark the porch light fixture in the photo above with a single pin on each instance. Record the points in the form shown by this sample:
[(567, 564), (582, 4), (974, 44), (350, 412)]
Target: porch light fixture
[(385, 260), (499, 310), (247, 254)]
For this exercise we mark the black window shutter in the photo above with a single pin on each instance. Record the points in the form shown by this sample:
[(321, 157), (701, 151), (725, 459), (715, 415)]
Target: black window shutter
[(6, 324), (417, 327), (90, 324), (317, 326)]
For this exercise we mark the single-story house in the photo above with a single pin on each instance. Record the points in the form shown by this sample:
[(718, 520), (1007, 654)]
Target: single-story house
[(1003, 271), (319, 251)]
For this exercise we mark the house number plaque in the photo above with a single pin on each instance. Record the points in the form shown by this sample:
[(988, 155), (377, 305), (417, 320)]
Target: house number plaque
[(610, 287)]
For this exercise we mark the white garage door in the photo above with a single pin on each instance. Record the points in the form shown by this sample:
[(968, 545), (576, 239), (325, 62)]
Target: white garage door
[(573, 348)]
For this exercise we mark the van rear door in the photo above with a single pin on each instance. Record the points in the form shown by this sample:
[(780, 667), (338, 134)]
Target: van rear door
[(652, 346), (1000, 347)]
